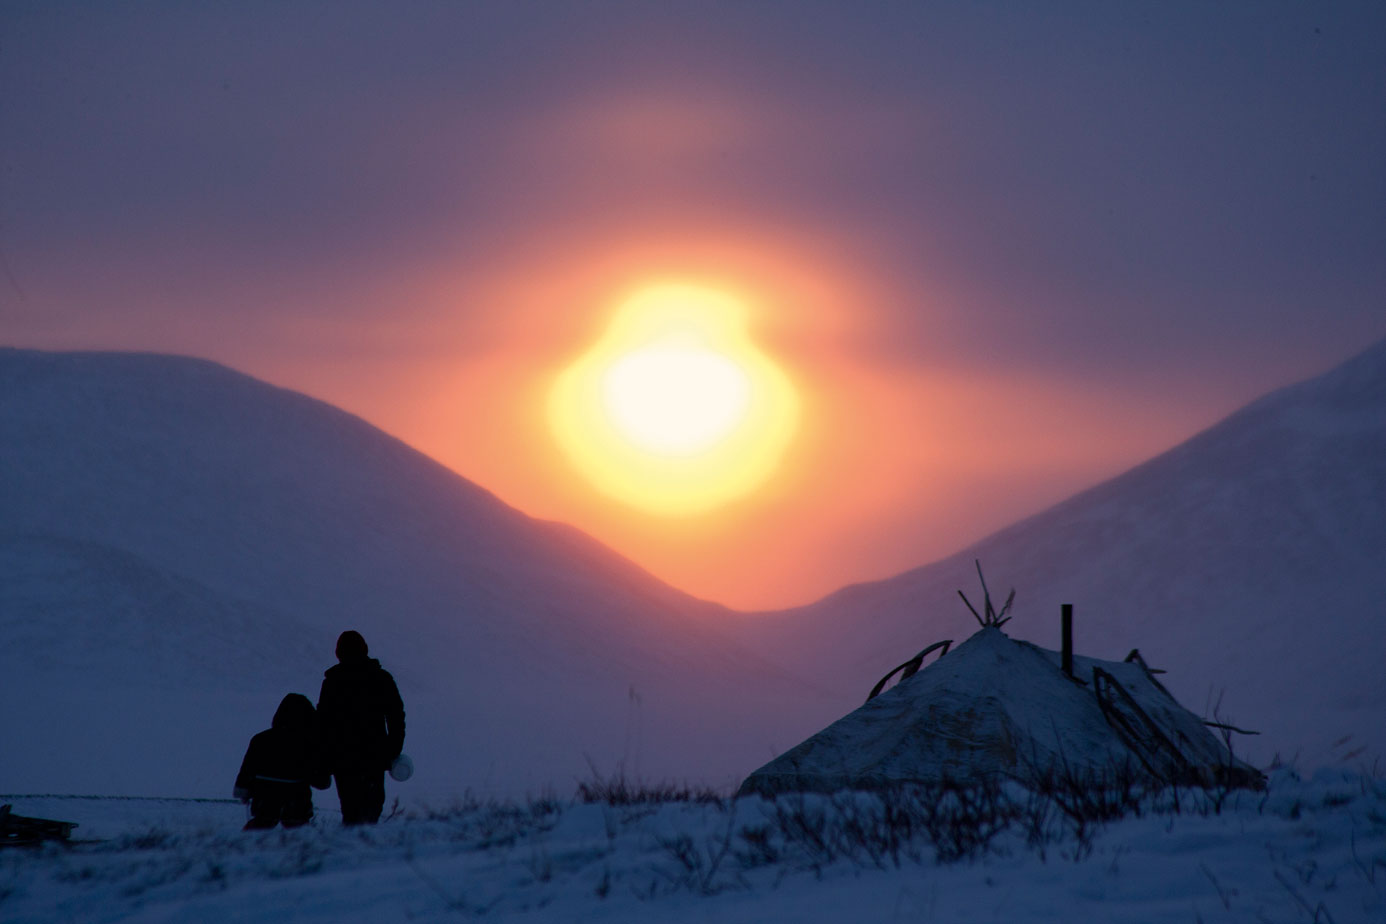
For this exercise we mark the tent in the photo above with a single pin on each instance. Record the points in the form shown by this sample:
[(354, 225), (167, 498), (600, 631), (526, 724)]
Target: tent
[(998, 707)]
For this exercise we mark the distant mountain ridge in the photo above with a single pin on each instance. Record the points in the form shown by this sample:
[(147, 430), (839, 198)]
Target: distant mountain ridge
[(1249, 561), (180, 544), (176, 537)]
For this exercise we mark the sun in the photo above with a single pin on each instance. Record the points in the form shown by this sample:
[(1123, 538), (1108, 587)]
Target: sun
[(675, 410), (675, 398)]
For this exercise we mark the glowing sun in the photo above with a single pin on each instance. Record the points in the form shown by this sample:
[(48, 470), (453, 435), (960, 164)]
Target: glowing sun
[(674, 409)]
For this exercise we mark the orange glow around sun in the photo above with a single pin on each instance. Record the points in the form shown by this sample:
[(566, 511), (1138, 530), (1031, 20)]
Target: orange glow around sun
[(674, 410)]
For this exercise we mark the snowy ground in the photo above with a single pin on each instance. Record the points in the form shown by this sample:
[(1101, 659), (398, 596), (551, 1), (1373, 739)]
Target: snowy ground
[(1306, 850)]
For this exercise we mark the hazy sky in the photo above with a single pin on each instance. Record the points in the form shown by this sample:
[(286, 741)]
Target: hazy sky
[(1006, 249)]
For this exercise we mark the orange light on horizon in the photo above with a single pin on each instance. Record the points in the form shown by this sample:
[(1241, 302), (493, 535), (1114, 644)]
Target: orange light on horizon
[(675, 410)]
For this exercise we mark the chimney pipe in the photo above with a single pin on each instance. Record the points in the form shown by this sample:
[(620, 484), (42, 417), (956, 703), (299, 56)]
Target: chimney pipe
[(1067, 618)]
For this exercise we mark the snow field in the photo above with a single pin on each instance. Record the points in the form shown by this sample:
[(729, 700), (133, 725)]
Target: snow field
[(1304, 850)]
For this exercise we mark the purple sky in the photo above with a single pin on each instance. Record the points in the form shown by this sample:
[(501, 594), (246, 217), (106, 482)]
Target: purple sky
[(1136, 216)]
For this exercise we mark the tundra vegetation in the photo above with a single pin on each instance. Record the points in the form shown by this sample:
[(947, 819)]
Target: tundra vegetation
[(1300, 850)]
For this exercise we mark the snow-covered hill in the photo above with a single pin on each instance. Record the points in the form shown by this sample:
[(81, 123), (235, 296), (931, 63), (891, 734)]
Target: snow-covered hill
[(180, 546), (1250, 562)]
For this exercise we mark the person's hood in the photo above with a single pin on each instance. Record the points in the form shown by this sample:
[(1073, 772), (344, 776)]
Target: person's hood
[(347, 668), (295, 712)]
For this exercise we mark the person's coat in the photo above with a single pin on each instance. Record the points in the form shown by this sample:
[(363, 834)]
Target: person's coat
[(290, 751), (362, 717)]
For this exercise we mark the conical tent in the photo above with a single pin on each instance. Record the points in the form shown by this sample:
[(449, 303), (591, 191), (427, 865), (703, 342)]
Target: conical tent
[(997, 707)]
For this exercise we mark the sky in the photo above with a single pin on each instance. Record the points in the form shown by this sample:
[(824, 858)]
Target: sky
[(1003, 250)]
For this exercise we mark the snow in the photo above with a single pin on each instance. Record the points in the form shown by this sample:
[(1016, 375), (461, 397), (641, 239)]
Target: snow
[(180, 545), (1307, 849)]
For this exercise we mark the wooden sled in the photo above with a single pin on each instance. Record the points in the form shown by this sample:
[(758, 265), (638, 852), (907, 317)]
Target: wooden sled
[(22, 831)]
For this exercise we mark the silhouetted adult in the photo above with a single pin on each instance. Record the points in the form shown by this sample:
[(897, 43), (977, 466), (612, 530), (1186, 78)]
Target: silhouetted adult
[(363, 720), (280, 764)]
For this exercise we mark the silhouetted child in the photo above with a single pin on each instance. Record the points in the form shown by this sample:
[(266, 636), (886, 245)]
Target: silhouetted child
[(279, 766)]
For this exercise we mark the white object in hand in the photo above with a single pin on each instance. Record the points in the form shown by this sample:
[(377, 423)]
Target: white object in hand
[(402, 769)]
